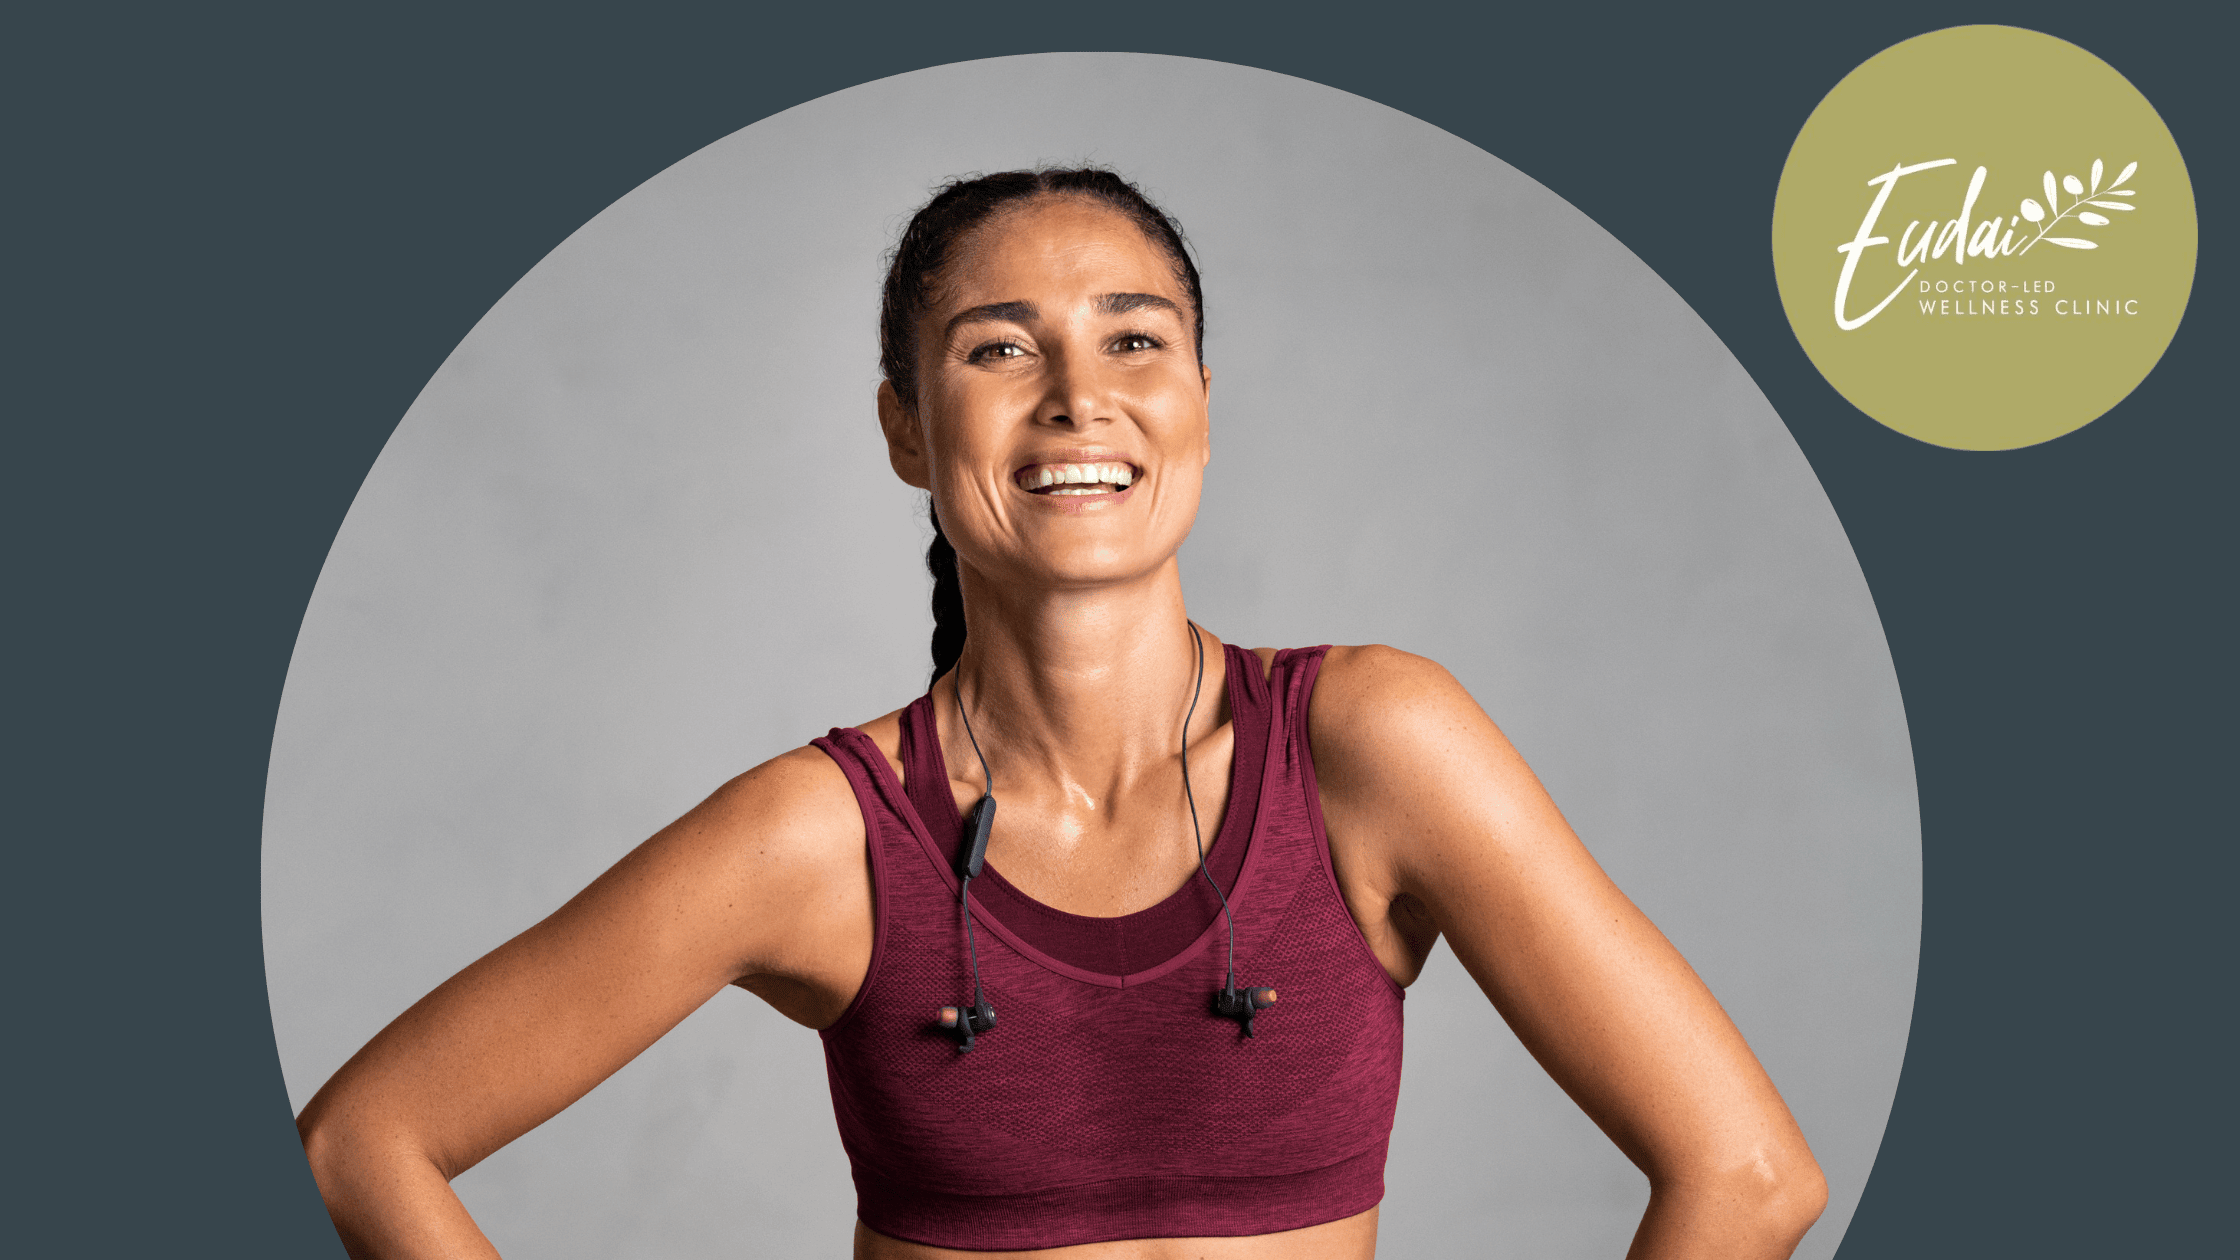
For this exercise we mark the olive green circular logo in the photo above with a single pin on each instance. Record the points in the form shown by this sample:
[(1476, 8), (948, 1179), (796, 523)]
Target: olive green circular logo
[(1984, 237)]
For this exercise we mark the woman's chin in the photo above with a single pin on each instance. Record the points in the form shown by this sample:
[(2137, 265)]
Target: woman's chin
[(1086, 568)]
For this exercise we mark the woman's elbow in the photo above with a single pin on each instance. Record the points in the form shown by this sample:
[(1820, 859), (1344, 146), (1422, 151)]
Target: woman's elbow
[(1783, 1192), (337, 1162), (347, 1159), (1757, 1202), (326, 1142)]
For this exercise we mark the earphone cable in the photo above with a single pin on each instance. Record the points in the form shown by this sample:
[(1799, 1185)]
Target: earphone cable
[(964, 879), (964, 901), (1195, 834)]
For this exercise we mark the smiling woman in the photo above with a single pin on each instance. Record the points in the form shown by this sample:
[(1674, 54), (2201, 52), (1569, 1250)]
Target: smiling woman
[(1057, 1031)]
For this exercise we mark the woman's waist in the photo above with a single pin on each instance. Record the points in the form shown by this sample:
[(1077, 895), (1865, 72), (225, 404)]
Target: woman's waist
[(1133, 1215), (1348, 1238)]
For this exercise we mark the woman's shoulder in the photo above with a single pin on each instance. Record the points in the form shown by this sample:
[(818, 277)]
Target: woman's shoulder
[(1378, 708), (1410, 772), (1363, 681), (797, 807), (808, 782)]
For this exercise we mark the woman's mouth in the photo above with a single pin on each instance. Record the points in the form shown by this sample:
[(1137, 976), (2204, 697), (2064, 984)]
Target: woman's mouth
[(1073, 479)]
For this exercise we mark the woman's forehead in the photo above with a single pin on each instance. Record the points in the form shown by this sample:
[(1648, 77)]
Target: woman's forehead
[(1053, 245)]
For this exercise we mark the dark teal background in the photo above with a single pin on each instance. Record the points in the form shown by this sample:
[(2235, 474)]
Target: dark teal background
[(239, 242)]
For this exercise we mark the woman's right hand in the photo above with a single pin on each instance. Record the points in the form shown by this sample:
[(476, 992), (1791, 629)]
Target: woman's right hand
[(764, 884)]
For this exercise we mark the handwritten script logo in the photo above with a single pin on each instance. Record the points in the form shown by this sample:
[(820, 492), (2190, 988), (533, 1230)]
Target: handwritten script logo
[(1965, 237), (1984, 300)]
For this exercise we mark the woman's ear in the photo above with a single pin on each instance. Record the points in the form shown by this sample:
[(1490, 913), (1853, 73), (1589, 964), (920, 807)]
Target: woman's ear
[(1205, 374), (905, 442)]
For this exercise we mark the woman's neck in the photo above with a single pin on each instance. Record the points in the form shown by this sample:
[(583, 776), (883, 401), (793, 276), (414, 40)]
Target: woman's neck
[(1080, 685)]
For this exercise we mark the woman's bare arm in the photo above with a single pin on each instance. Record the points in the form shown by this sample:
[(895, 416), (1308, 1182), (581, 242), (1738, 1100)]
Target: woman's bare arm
[(1436, 821), (763, 884)]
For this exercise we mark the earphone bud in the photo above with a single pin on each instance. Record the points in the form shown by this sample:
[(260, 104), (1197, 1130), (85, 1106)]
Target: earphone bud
[(1242, 1004), (963, 1022)]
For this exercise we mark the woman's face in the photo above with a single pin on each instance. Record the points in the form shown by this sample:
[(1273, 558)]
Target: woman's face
[(1061, 419)]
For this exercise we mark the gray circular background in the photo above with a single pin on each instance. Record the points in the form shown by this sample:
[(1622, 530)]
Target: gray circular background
[(639, 534)]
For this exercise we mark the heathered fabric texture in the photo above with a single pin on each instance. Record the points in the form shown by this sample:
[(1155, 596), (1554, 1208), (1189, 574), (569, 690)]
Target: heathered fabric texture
[(1111, 1104)]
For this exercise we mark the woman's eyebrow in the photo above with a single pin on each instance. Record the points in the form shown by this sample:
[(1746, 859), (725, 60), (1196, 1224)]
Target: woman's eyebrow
[(1122, 303), (992, 313), (1027, 312)]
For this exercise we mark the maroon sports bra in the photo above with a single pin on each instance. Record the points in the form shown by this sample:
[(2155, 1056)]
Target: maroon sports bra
[(1111, 1102)]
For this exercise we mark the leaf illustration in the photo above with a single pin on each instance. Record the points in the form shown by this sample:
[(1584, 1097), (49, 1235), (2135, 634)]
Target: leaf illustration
[(2048, 216)]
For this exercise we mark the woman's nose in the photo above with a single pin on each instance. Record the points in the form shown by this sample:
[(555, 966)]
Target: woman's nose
[(1077, 396)]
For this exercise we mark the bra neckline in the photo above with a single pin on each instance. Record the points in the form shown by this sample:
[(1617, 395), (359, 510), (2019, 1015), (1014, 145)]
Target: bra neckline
[(1029, 924)]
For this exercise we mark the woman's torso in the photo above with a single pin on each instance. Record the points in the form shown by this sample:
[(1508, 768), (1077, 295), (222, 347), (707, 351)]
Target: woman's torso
[(1106, 1048)]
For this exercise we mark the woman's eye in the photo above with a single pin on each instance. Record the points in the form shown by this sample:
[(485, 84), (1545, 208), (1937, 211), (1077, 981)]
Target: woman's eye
[(995, 350)]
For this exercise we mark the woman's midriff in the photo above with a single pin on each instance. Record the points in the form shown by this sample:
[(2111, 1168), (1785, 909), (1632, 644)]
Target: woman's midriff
[(1354, 1238)]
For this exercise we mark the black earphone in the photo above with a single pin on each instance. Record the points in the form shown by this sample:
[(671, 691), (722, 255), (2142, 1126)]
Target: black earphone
[(1229, 1001), (1242, 1004), (966, 1021)]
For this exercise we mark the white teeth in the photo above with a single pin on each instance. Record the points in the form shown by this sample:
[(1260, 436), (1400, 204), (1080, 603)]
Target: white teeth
[(1119, 476)]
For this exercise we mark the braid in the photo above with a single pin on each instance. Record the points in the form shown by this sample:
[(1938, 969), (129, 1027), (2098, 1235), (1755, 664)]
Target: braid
[(948, 600)]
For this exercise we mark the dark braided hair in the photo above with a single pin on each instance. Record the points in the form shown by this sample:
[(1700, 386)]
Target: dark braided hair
[(913, 270)]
